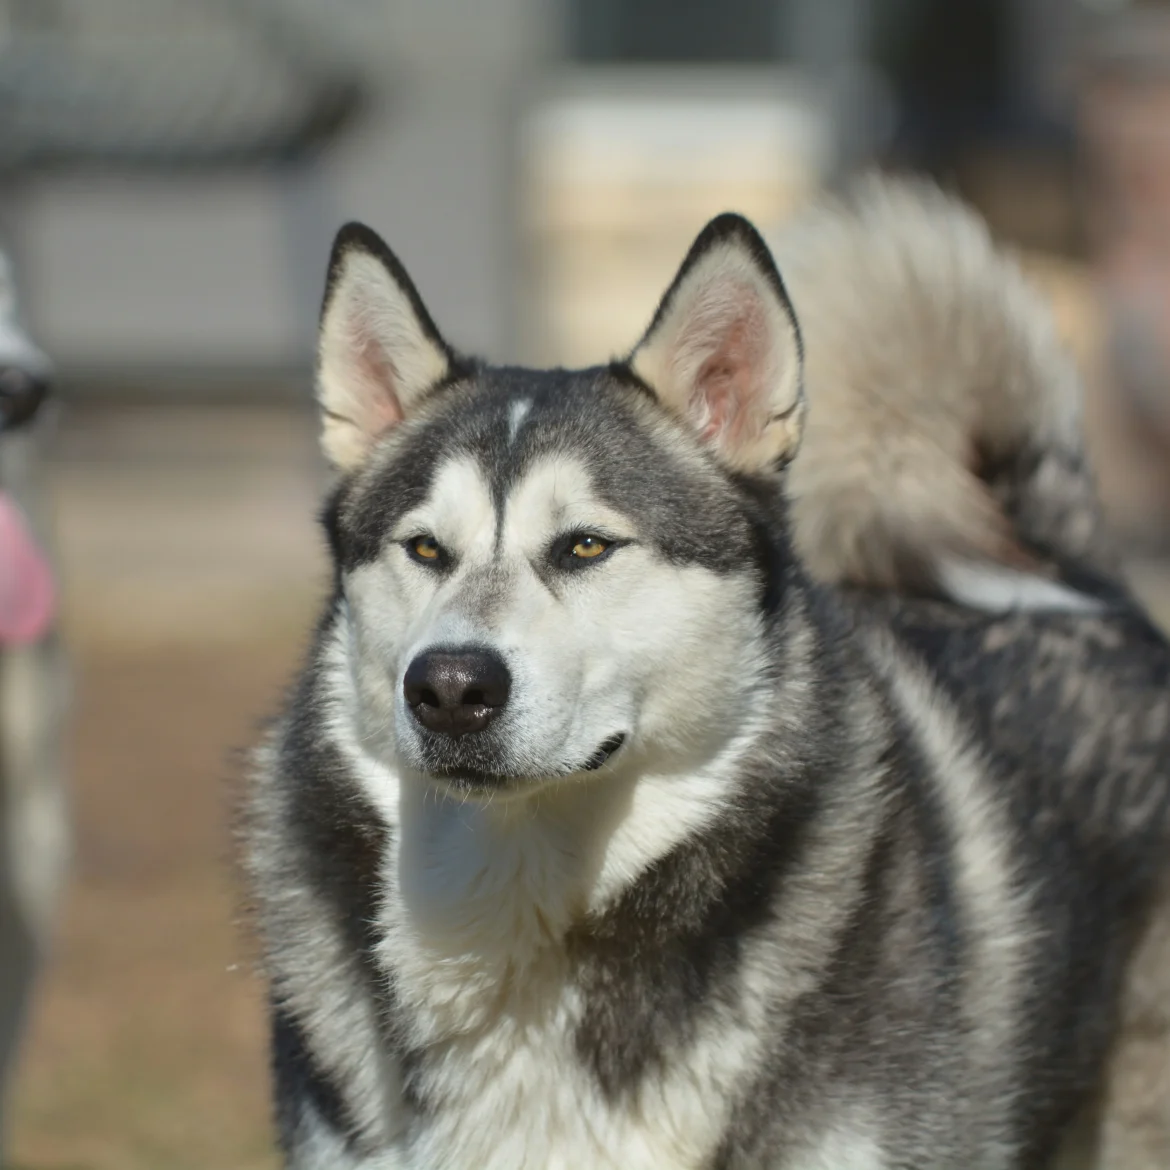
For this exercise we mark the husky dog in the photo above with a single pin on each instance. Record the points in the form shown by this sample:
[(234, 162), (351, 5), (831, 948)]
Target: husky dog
[(658, 794), (33, 830)]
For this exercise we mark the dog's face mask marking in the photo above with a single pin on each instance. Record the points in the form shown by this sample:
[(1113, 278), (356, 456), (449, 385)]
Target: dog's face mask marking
[(539, 567)]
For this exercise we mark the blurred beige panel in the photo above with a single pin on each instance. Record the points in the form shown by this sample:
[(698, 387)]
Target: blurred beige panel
[(621, 168), (1131, 476), (1071, 288)]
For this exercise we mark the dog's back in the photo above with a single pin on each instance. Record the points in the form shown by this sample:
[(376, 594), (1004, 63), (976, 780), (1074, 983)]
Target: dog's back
[(943, 461)]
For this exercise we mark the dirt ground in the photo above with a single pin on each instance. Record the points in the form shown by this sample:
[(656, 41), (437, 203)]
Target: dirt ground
[(191, 566)]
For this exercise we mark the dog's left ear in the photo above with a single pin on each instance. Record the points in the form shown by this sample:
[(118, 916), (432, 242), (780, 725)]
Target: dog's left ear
[(378, 350), (723, 350)]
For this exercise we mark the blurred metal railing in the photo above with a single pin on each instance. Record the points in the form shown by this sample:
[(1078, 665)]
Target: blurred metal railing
[(171, 83)]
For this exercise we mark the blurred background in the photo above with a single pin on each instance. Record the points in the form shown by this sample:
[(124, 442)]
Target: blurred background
[(171, 173)]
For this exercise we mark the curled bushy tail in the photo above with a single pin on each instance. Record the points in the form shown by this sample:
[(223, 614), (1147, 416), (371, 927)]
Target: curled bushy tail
[(943, 445)]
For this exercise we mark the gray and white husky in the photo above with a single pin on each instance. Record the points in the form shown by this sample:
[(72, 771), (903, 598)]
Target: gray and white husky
[(660, 794)]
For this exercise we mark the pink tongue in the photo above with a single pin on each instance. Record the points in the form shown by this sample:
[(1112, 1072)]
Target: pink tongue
[(27, 596)]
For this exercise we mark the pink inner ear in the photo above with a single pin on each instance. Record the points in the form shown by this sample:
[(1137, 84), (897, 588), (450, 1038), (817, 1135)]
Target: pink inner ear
[(377, 377), (728, 383)]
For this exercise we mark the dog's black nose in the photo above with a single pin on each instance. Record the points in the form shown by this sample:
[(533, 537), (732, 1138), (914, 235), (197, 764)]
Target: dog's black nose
[(21, 395), (455, 692)]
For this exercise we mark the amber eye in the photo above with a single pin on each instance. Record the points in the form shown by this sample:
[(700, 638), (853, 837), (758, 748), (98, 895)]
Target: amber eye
[(588, 547), (425, 548)]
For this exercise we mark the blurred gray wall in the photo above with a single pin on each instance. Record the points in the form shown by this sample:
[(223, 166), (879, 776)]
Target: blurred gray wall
[(129, 275)]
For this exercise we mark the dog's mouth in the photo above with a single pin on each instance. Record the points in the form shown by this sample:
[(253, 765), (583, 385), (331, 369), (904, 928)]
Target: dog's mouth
[(469, 779), (605, 752)]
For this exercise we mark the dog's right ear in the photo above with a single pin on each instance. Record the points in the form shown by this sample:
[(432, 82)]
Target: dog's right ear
[(378, 349)]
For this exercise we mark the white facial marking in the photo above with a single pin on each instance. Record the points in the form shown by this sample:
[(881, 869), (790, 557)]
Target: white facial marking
[(458, 511), (517, 413), (557, 496)]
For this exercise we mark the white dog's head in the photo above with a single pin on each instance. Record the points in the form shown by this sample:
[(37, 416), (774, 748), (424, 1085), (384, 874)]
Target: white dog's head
[(542, 573)]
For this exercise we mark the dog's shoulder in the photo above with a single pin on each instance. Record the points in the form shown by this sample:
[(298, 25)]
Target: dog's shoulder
[(1072, 708)]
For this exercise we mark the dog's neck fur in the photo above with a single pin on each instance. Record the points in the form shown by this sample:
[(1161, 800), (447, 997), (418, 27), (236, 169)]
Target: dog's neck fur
[(555, 855)]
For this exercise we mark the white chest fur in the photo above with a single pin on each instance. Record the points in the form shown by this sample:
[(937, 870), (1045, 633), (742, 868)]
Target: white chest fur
[(479, 900)]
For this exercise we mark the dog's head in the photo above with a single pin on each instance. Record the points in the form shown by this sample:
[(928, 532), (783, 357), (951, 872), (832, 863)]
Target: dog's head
[(543, 573)]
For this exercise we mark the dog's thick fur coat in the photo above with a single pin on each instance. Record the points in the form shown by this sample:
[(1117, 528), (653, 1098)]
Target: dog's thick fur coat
[(797, 806)]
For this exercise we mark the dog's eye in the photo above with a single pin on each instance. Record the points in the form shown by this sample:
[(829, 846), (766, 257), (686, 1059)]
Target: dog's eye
[(587, 547), (425, 549), (579, 549)]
